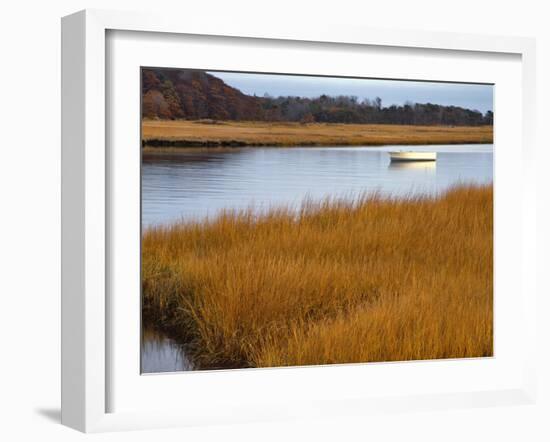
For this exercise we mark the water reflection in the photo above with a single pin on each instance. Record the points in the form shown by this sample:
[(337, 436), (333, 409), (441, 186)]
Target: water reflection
[(424, 166), (198, 184), (161, 354)]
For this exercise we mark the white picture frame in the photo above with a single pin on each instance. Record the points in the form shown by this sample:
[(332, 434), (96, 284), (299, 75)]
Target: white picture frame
[(87, 203)]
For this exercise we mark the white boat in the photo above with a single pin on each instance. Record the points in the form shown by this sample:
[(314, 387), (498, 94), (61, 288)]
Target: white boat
[(413, 156)]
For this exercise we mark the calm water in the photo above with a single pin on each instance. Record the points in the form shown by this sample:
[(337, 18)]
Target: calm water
[(161, 354), (195, 185), (199, 184)]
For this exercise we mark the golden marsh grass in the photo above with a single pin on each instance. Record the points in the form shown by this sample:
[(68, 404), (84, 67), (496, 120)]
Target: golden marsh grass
[(375, 279), (250, 133)]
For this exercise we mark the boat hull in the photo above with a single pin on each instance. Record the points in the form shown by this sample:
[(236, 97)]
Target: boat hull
[(413, 156)]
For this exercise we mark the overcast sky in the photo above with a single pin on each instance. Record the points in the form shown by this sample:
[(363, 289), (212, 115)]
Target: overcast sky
[(471, 96)]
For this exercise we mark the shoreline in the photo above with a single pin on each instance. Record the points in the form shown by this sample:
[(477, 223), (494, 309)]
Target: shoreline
[(153, 145), (150, 151)]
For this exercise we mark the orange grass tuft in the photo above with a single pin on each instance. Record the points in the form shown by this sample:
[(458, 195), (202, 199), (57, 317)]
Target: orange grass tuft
[(370, 280)]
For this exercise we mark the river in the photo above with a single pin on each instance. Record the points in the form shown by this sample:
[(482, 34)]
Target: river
[(197, 184)]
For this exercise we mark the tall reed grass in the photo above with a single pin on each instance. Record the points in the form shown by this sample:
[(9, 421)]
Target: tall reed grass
[(374, 279)]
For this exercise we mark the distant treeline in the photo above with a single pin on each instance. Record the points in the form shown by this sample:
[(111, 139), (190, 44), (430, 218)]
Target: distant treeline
[(349, 109), (193, 95)]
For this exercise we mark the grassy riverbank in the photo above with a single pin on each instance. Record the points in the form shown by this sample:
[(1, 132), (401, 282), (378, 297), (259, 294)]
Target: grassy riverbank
[(207, 133), (376, 280)]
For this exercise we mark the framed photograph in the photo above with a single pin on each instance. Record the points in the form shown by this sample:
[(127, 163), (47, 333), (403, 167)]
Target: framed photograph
[(263, 225)]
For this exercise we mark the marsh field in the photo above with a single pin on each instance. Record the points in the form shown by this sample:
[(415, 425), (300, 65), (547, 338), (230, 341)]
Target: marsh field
[(340, 281), (280, 226), (212, 133)]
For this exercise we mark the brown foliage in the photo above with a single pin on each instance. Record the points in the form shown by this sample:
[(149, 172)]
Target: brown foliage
[(194, 95)]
